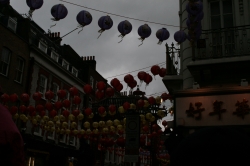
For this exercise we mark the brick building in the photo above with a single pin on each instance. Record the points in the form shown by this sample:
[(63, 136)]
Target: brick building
[(32, 60)]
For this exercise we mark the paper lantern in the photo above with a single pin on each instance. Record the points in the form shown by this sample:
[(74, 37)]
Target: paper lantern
[(110, 92), (95, 124), (132, 106), (149, 116), (5, 98), (155, 70), (102, 124), (180, 36), (49, 106), (71, 117), (86, 125), (80, 116), (162, 34), (25, 97), (164, 123), (49, 95), (61, 94), (144, 31), (112, 108), (101, 85), (87, 89), (105, 23), (66, 103), (58, 105), (34, 4), (83, 18), (162, 72), (121, 109), (59, 12), (126, 105), (140, 103), (124, 27)]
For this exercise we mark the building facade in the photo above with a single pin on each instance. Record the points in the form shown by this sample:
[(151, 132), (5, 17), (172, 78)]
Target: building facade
[(209, 78)]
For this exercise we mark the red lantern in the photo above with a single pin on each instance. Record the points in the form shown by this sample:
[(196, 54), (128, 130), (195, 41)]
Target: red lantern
[(141, 75), (101, 110), (58, 105), (13, 110), (101, 85), (115, 82), (13, 98), (99, 94), (151, 100), (65, 113), (23, 109), (49, 106), (148, 78), (66, 103), (87, 89), (73, 91), (162, 72), (120, 141), (88, 111), (112, 108), (77, 100), (159, 132), (165, 96), (140, 103), (39, 108), (164, 123), (75, 112), (120, 132), (142, 142), (126, 105), (25, 97), (61, 94), (154, 134), (31, 109), (145, 128), (155, 70), (53, 113), (49, 95), (155, 127), (42, 113), (5, 98), (128, 78), (132, 84), (37, 96), (119, 87), (110, 92)]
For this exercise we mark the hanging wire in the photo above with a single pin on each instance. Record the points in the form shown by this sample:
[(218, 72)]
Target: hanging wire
[(162, 63), (120, 15)]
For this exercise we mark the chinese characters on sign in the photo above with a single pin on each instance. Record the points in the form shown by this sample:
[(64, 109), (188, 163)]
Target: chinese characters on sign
[(242, 108), (217, 109), (196, 113)]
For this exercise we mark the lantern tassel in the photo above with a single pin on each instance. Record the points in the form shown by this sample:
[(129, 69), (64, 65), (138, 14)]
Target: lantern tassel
[(122, 36), (100, 31), (159, 42), (80, 30), (141, 41), (141, 81), (30, 12), (53, 25)]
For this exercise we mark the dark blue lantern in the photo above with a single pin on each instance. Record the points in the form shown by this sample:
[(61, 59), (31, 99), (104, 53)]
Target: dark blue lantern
[(194, 7), (34, 4), (162, 34), (124, 27), (105, 23), (83, 18), (4, 2), (180, 36), (144, 31), (59, 12)]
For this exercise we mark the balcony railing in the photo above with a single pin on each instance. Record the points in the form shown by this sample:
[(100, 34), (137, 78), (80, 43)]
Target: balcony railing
[(224, 42)]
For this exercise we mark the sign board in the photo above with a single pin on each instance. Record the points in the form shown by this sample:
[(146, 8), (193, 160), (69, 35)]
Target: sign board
[(228, 107), (132, 137)]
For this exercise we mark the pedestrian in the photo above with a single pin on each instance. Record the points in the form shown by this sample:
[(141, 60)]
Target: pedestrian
[(11, 142)]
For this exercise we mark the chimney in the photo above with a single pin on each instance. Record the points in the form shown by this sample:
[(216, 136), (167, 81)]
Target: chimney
[(90, 58), (58, 34), (55, 37), (93, 57)]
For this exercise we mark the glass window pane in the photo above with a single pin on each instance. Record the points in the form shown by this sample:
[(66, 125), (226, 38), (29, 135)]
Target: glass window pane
[(215, 22), (228, 20), (215, 8), (227, 6)]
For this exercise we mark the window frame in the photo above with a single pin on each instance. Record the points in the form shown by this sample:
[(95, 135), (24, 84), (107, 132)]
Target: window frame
[(63, 62), (54, 53), (51, 137), (221, 12), (14, 21), (55, 92), (8, 63), (41, 43), (91, 81), (18, 70), (76, 74), (45, 86), (74, 140), (40, 131)]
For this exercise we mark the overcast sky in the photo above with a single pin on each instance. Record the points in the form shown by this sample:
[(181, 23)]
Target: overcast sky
[(114, 58)]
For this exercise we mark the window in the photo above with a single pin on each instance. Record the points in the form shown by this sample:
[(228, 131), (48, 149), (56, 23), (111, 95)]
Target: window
[(38, 131), (54, 56), (62, 138), (43, 46), (5, 61), (65, 64), (72, 141), (55, 88), (19, 70), (42, 84), (67, 94), (91, 81), (51, 135), (74, 71), (12, 24), (221, 14)]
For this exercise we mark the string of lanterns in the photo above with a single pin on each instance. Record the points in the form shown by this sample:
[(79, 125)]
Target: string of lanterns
[(84, 18)]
